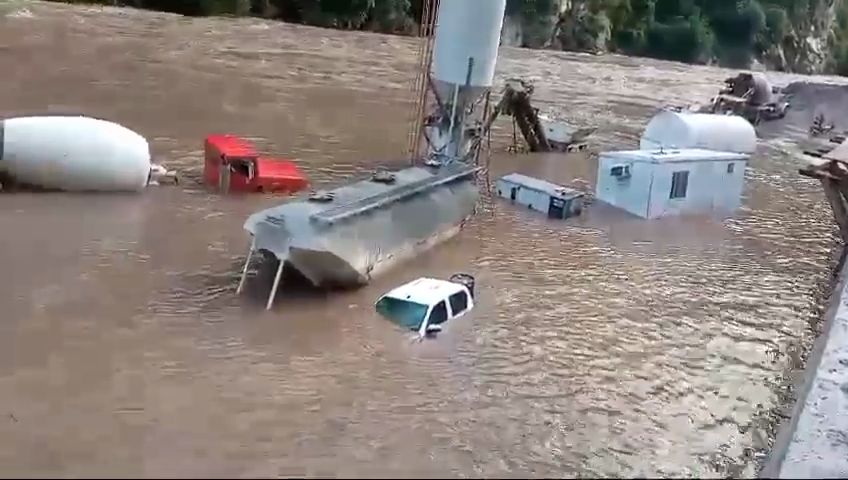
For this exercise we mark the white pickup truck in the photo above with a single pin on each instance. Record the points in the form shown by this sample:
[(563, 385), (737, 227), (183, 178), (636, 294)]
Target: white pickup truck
[(427, 303)]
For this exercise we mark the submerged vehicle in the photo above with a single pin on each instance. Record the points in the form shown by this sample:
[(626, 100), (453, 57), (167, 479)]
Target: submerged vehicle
[(345, 236), (425, 304), (563, 136), (751, 96), (73, 153), (542, 132), (232, 164)]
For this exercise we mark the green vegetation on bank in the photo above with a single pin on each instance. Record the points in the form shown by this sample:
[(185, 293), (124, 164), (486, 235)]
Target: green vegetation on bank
[(732, 32)]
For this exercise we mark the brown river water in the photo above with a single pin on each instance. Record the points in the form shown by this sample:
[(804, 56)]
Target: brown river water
[(603, 345)]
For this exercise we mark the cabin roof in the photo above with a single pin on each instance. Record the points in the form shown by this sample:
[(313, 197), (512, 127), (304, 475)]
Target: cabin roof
[(232, 145), (686, 155), (426, 291), (551, 189)]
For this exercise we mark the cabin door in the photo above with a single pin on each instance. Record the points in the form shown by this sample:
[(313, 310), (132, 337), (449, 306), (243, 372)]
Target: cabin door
[(513, 193), (224, 178), (556, 208)]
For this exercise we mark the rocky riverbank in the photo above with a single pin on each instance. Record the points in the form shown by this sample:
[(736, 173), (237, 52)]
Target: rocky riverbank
[(797, 39)]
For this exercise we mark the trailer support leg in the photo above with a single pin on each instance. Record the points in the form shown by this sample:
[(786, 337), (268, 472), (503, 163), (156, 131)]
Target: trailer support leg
[(276, 285), (244, 271)]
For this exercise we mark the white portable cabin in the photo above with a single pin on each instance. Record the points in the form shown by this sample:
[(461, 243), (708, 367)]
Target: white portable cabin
[(653, 184), (722, 133), (553, 200)]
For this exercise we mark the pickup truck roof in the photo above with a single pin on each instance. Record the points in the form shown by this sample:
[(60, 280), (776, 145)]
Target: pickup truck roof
[(426, 291)]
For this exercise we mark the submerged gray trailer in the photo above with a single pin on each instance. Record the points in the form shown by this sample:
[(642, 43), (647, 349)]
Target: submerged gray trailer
[(343, 237)]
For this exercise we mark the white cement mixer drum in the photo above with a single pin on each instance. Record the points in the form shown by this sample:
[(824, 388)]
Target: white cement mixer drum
[(468, 29), (74, 154)]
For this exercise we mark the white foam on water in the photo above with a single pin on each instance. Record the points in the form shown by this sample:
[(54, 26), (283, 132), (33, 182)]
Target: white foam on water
[(15, 9)]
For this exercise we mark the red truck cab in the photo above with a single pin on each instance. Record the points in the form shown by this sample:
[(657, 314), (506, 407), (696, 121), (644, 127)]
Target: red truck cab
[(232, 164)]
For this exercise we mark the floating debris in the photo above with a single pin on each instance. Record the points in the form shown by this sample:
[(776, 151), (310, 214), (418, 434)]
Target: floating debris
[(160, 175)]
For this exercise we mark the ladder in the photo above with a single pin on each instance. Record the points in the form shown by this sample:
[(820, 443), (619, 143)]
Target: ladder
[(421, 82)]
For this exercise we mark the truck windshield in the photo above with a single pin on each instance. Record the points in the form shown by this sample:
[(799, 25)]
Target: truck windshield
[(407, 314)]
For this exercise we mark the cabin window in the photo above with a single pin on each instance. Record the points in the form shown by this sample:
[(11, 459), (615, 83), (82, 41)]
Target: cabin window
[(439, 314), (242, 167), (679, 184), (621, 172), (458, 302), (730, 167)]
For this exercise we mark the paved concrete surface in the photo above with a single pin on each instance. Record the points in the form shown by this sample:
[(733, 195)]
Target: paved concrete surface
[(815, 442)]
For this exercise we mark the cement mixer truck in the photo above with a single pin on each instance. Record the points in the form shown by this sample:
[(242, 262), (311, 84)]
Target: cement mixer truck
[(749, 95)]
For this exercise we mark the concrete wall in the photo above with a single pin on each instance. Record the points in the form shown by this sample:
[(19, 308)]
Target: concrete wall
[(814, 444)]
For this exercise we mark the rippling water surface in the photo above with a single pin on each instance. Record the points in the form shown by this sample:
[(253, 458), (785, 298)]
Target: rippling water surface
[(601, 346)]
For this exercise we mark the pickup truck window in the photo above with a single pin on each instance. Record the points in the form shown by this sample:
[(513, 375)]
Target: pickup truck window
[(439, 313), (458, 302)]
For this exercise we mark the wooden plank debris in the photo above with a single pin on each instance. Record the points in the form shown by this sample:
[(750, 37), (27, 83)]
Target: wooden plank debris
[(829, 164)]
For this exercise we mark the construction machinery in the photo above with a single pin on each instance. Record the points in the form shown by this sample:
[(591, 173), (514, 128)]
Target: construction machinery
[(749, 95), (542, 133)]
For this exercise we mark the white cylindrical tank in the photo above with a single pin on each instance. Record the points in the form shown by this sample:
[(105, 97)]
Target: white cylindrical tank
[(725, 133), (73, 153), (468, 29)]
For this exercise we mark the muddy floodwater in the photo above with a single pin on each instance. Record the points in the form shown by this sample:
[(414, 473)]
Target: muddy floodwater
[(603, 345)]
